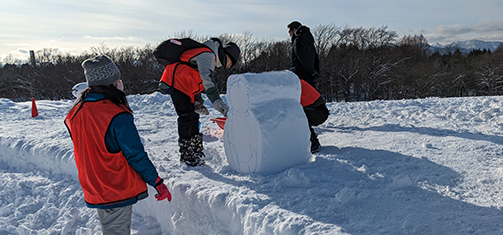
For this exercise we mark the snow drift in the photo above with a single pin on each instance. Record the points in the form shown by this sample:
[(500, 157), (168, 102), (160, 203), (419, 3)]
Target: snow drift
[(425, 166)]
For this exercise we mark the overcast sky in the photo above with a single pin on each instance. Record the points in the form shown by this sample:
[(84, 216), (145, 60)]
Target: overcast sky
[(75, 26)]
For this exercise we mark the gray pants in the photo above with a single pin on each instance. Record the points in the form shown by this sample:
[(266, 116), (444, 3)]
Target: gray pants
[(116, 221)]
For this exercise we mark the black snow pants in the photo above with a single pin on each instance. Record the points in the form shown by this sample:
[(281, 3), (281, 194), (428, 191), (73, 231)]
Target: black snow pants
[(188, 120)]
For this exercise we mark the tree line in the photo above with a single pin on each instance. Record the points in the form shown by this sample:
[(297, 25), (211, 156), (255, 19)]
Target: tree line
[(357, 64)]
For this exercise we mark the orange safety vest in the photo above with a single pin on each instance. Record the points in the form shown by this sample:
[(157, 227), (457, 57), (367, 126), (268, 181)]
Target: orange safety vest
[(308, 94), (183, 77), (106, 178)]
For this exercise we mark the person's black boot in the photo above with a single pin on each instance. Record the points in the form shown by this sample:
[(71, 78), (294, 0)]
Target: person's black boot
[(196, 146), (189, 151), (315, 143)]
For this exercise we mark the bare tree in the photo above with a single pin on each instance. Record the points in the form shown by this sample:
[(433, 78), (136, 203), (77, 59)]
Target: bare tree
[(324, 37), (491, 79)]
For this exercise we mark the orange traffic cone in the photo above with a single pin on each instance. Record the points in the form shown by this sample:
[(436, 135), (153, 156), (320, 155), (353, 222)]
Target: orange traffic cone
[(34, 111)]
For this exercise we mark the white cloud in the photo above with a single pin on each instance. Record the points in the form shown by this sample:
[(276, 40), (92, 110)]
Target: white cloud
[(453, 29), (79, 25), (114, 38), (490, 30), (16, 44), (23, 51)]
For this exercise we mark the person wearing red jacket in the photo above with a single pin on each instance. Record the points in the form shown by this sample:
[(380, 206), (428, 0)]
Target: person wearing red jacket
[(315, 109), (113, 167), (185, 81)]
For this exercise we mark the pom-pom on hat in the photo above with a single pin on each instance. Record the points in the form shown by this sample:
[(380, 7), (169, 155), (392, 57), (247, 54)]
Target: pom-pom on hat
[(100, 71)]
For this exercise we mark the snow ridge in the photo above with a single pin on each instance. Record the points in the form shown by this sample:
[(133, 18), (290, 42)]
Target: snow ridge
[(423, 166)]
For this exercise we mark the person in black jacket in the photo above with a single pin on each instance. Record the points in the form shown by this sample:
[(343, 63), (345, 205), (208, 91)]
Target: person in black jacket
[(304, 61)]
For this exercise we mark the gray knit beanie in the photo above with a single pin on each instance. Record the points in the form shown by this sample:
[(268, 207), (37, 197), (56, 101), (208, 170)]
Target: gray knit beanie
[(100, 71)]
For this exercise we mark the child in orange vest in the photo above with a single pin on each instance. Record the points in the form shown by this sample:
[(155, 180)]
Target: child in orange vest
[(185, 81), (112, 164)]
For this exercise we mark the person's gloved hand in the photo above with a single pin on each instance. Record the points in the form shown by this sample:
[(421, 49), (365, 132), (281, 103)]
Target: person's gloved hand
[(162, 190), (200, 108), (221, 106)]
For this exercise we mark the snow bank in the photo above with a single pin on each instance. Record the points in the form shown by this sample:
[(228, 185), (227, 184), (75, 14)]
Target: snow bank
[(425, 166), (23, 140)]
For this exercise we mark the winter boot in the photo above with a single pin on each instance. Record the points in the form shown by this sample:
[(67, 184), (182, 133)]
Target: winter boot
[(198, 145), (191, 153), (315, 143)]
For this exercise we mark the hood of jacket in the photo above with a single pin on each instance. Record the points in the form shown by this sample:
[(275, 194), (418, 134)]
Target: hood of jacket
[(213, 45), (303, 32)]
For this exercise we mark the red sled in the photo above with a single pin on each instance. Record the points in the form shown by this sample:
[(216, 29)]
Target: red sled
[(220, 121)]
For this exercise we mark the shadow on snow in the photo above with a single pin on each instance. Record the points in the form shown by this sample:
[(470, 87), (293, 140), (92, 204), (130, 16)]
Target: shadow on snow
[(359, 190)]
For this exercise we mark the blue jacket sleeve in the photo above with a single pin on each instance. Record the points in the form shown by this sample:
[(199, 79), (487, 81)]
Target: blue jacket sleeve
[(122, 135)]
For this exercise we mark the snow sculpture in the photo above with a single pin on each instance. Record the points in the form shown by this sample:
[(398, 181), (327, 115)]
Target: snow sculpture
[(266, 129)]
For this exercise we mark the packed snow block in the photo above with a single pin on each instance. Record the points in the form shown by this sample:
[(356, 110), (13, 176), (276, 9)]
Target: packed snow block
[(266, 129)]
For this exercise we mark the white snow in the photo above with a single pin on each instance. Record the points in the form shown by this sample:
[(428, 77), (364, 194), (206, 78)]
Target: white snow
[(423, 166), (266, 129)]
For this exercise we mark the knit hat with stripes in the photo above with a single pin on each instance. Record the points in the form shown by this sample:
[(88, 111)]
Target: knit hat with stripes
[(100, 71)]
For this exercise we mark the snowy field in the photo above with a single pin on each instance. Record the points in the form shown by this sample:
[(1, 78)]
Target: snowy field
[(425, 166)]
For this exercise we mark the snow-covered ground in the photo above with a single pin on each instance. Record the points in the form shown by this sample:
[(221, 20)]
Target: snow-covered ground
[(425, 166)]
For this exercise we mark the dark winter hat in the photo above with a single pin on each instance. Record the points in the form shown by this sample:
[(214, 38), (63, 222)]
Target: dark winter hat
[(100, 71), (233, 51), (294, 25)]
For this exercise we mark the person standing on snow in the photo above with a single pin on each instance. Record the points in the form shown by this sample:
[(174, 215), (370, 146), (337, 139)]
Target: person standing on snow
[(315, 109), (304, 61), (112, 164), (185, 81)]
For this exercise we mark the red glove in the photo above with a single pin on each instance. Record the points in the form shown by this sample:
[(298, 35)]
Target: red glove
[(162, 190)]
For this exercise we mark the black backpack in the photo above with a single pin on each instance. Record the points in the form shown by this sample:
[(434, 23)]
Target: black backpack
[(169, 51)]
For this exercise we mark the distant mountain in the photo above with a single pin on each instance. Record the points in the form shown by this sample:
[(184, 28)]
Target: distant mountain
[(465, 46)]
